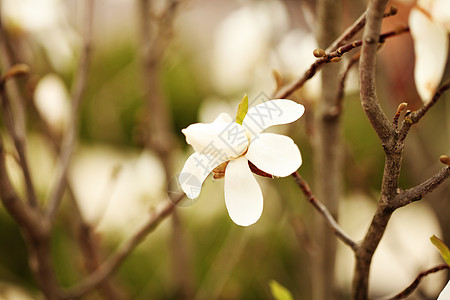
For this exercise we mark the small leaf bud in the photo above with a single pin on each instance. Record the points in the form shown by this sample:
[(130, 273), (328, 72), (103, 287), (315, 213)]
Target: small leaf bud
[(336, 59), (319, 53), (16, 70), (445, 160), (401, 107)]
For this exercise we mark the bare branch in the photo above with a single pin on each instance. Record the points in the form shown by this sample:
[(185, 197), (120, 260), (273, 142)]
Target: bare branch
[(333, 56), (90, 249), (336, 109), (14, 122), (356, 27), (69, 139), (22, 213), (416, 193), (385, 131), (410, 289), (414, 117), (323, 211), (153, 44), (36, 231), (114, 261), (369, 99)]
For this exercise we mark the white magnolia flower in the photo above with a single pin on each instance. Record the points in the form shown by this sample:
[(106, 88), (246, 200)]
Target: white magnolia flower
[(429, 22), (233, 151), (445, 294)]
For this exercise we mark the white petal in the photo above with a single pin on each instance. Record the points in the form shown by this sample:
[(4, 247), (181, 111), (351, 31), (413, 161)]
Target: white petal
[(243, 196), (441, 13), (217, 139), (445, 294), (273, 112), (425, 4), (223, 118), (274, 154), (430, 46), (195, 171)]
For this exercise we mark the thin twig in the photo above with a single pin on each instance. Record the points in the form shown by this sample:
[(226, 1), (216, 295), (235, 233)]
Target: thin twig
[(356, 27), (323, 211), (90, 249), (155, 36), (14, 115), (333, 56), (115, 260), (408, 291), (414, 117), (69, 139), (36, 232), (153, 46), (336, 109), (416, 193)]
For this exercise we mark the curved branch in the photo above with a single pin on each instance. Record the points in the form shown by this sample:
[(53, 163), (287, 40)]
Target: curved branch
[(408, 291), (332, 56), (69, 139), (14, 114), (356, 27), (324, 212), (336, 110), (416, 193), (412, 118)]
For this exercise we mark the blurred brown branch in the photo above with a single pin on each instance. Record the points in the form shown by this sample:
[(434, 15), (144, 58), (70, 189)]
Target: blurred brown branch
[(14, 112), (35, 229), (107, 268), (327, 144), (70, 136), (336, 109), (156, 33)]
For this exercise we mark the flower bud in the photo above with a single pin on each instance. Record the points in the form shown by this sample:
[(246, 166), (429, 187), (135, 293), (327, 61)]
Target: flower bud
[(319, 53), (445, 160)]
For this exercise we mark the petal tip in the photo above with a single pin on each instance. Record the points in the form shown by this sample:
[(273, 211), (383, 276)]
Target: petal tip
[(190, 185)]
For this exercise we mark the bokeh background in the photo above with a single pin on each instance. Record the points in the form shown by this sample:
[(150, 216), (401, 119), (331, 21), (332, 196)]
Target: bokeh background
[(211, 53)]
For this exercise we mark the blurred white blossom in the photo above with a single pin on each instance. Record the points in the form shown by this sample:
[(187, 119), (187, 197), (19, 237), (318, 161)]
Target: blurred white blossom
[(295, 56), (52, 101), (429, 22), (243, 42), (10, 291), (114, 188), (48, 22)]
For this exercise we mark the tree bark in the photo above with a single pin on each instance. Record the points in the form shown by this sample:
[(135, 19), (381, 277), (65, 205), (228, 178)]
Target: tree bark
[(328, 155)]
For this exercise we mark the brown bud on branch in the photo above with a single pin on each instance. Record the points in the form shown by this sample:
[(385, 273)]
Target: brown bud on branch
[(445, 160), (319, 53), (14, 71), (401, 107)]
